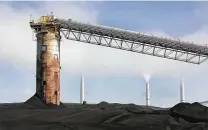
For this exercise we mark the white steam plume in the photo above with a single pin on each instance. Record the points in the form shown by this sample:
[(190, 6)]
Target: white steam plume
[(147, 76)]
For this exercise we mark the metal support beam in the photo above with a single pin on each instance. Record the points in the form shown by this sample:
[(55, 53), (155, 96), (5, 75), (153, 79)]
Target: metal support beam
[(133, 46)]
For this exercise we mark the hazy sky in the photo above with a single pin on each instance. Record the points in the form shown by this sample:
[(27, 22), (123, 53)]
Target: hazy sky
[(110, 75)]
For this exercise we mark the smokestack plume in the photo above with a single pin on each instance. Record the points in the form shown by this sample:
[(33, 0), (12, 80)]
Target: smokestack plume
[(182, 95), (82, 90), (146, 77), (147, 94)]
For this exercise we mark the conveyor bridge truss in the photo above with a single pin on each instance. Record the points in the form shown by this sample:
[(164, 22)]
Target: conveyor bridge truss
[(174, 49)]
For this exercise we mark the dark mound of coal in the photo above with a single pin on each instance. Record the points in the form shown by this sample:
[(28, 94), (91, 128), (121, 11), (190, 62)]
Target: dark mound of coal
[(194, 112), (183, 116), (138, 109), (103, 105), (36, 103)]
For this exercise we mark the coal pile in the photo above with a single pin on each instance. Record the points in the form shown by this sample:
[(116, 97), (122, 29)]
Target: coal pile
[(35, 103), (191, 112), (34, 114)]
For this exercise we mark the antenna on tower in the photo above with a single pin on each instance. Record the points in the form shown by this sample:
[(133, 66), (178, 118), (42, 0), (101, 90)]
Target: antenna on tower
[(51, 13), (30, 18)]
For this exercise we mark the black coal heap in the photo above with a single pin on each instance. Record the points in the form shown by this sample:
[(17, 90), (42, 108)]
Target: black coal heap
[(35, 102), (35, 114)]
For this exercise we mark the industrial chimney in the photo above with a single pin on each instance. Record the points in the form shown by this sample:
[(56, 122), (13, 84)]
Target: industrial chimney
[(82, 90), (182, 96), (147, 94)]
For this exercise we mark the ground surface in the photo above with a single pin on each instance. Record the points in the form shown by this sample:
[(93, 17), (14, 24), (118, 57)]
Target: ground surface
[(34, 115)]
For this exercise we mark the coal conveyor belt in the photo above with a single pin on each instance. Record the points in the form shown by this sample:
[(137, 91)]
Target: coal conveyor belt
[(174, 49)]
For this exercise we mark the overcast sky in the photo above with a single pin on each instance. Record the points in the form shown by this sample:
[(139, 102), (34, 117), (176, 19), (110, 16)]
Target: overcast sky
[(110, 75)]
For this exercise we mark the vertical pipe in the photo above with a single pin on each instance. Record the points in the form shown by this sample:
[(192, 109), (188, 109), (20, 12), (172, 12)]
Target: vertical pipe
[(82, 90), (147, 94), (182, 94)]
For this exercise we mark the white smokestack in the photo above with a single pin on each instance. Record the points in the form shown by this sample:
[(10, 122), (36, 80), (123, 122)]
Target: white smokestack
[(182, 95), (147, 94), (147, 78), (82, 90)]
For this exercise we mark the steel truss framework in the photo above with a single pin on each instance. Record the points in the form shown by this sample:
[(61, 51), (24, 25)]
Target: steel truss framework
[(132, 41)]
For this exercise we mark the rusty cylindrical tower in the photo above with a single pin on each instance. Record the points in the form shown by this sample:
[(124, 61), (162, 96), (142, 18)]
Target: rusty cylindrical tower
[(48, 59)]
